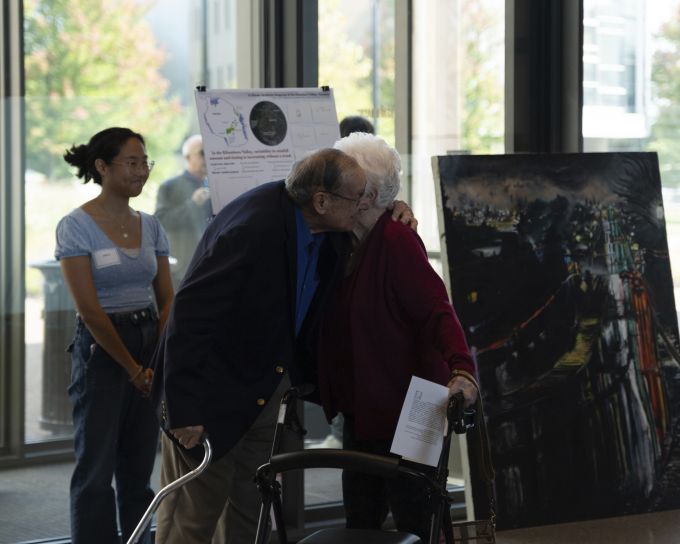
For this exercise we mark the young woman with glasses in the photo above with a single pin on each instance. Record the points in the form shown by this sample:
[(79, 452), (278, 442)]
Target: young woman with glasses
[(115, 262)]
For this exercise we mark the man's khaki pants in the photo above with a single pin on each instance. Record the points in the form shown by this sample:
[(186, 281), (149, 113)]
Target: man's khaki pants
[(190, 515)]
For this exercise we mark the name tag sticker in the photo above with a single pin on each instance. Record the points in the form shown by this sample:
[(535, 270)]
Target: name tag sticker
[(106, 257)]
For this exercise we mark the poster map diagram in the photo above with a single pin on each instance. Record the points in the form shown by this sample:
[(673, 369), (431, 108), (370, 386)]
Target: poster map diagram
[(254, 136)]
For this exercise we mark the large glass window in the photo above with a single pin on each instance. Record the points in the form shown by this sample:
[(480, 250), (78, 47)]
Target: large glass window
[(77, 84), (631, 54), (457, 90), (362, 71), (457, 98)]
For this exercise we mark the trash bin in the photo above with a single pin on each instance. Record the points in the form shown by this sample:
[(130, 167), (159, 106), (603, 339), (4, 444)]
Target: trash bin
[(59, 318)]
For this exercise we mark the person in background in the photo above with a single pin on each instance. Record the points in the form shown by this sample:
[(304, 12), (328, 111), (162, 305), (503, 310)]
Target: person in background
[(114, 260), (242, 329), (389, 320), (355, 123), (183, 206)]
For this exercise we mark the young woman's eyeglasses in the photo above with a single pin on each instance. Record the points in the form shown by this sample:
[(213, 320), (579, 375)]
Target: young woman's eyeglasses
[(135, 165)]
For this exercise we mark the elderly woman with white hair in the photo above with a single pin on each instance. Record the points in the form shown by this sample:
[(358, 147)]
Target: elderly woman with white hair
[(390, 319)]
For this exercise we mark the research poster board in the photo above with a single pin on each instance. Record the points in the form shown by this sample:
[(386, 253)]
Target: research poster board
[(253, 136)]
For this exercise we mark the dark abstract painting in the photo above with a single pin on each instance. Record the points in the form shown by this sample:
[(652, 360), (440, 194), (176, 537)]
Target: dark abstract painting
[(559, 271)]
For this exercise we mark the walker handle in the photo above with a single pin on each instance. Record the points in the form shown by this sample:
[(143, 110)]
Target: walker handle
[(172, 486)]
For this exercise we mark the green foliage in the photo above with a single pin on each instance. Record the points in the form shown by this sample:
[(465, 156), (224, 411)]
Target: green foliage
[(666, 82), (344, 64), (483, 124), (386, 74), (349, 69), (91, 64)]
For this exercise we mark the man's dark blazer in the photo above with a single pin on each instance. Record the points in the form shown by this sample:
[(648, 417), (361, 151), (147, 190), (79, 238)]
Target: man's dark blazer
[(231, 332)]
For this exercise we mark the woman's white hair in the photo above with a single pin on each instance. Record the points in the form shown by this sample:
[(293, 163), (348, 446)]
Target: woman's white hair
[(381, 163)]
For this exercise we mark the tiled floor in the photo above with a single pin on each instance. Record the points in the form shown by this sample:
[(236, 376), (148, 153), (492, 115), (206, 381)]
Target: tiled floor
[(34, 500), (34, 505)]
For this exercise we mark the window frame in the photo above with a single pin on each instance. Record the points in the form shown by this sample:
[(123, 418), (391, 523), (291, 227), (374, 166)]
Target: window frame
[(12, 239)]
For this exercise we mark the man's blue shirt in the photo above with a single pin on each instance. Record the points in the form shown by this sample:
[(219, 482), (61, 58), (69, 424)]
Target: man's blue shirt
[(308, 245)]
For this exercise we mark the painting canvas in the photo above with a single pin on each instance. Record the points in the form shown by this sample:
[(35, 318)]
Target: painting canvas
[(559, 270)]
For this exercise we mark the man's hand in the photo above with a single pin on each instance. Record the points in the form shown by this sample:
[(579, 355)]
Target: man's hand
[(188, 436), (462, 384), (402, 212), (200, 196)]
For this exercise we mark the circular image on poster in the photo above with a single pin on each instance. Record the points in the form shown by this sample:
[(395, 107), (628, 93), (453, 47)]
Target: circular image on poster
[(268, 123)]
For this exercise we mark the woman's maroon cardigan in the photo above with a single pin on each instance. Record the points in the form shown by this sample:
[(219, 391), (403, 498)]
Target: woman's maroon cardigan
[(390, 319)]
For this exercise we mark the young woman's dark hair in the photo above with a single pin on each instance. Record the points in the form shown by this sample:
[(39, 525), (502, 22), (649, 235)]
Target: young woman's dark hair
[(104, 145)]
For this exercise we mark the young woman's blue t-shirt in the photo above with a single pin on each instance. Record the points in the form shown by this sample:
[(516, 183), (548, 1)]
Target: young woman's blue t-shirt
[(123, 277)]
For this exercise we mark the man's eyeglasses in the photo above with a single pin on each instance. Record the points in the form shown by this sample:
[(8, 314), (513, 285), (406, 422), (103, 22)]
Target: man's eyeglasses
[(343, 197), (135, 165)]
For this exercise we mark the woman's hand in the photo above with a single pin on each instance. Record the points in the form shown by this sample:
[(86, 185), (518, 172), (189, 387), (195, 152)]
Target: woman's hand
[(142, 380), (465, 386)]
